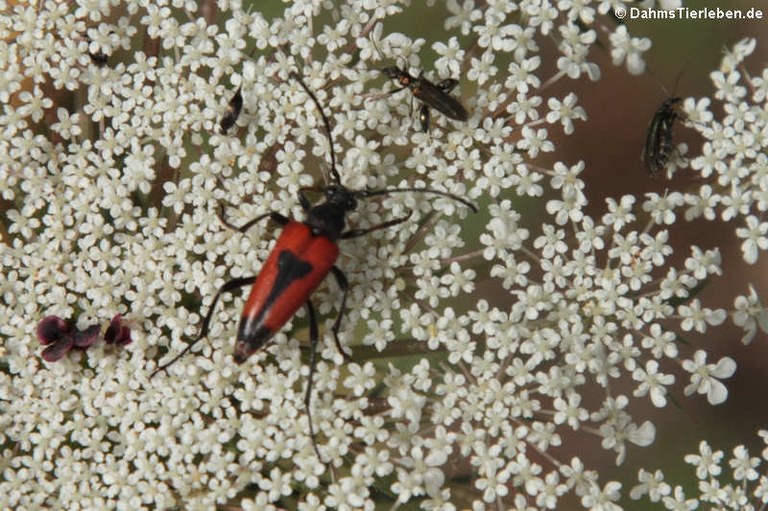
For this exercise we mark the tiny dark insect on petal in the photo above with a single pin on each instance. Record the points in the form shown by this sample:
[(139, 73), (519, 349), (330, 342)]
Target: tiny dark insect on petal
[(232, 112), (424, 118), (99, 58)]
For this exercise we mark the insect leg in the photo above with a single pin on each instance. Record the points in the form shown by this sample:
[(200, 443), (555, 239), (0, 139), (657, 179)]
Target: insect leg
[(313, 341), (356, 233), (393, 91), (303, 201), (276, 217), (424, 118), (228, 286), (341, 279), (447, 85)]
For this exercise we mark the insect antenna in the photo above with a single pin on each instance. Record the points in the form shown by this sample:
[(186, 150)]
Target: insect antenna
[(373, 40), (677, 79), (384, 58), (427, 191), (335, 178)]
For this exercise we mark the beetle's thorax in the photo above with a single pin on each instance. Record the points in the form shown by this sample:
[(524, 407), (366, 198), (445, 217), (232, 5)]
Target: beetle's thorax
[(393, 72), (401, 76), (671, 102), (328, 218)]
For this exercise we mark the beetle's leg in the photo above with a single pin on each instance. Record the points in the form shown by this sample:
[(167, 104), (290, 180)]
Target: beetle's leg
[(313, 341), (228, 286), (356, 233), (447, 85), (341, 279), (303, 201), (424, 118), (393, 91), (276, 217), (678, 156)]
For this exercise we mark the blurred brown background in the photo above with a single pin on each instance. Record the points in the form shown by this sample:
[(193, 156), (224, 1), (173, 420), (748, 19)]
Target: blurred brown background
[(620, 107)]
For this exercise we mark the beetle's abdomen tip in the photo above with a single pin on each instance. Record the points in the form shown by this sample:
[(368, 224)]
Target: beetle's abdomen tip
[(248, 345)]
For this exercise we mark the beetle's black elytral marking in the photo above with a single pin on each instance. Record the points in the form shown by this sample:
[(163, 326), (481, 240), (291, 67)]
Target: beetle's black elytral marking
[(246, 346), (289, 269)]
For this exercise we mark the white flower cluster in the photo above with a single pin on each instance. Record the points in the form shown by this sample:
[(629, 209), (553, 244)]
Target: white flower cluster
[(743, 487), (733, 163), (482, 343)]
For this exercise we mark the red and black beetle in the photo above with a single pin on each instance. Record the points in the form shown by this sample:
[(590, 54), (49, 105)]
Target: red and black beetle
[(303, 255)]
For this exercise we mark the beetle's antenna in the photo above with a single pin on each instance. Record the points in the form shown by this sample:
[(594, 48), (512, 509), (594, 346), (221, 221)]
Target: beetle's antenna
[(679, 75), (677, 79), (382, 56), (386, 191), (376, 46), (373, 40), (335, 178)]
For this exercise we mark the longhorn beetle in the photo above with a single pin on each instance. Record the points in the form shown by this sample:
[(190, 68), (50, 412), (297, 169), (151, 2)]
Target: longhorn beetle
[(658, 140), (303, 255)]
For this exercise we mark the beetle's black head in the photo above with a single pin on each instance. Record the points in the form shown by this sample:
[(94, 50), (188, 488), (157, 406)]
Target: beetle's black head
[(671, 103), (329, 217), (393, 72), (339, 196)]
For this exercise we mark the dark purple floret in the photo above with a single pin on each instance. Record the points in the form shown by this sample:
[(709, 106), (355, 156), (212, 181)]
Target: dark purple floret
[(60, 336), (59, 348), (52, 329), (84, 338), (118, 332)]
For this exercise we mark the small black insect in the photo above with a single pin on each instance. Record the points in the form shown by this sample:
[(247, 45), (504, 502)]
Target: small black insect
[(658, 140), (232, 112), (432, 95), (99, 58)]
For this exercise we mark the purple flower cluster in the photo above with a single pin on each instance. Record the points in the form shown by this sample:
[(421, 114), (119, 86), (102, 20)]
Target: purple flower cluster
[(60, 336)]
